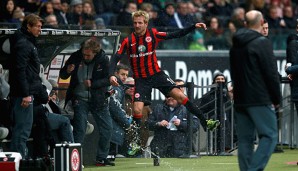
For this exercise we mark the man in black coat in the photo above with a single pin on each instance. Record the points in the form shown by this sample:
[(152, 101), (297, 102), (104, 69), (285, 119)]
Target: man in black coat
[(24, 80), (256, 93)]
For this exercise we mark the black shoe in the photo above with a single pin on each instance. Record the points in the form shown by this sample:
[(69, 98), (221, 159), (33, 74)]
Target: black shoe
[(278, 150), (104, 162)]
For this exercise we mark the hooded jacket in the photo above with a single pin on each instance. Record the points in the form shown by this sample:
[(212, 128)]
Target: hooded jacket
[(254, 70)]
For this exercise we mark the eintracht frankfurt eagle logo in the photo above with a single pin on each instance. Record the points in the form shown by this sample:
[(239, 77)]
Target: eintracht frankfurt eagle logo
[(75, 160)]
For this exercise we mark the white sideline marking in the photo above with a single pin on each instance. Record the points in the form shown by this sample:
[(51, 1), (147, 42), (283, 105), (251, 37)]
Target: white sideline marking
[(224, 163), (143, 163)]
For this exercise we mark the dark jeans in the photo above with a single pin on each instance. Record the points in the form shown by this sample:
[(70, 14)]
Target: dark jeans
[(103, 120), (260, 119), (60, 125), (22, 124)]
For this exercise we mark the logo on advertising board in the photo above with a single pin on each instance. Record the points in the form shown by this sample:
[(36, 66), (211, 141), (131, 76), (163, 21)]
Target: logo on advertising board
[(75, 160)]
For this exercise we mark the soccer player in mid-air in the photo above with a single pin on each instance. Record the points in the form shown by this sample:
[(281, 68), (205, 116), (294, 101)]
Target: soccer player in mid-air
[(140, 48)]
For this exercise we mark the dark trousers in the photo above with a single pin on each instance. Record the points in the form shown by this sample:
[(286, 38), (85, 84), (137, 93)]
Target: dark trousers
[(22, 124), (249, 120)]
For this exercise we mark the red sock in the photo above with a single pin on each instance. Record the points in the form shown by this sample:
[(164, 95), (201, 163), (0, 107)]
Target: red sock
[(185, 101), (138, 116)]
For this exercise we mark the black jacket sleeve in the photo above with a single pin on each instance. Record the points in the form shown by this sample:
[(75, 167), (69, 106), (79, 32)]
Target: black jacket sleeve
[(74, 58), (291, 51), (177, 34), (104, 80), (113, 63)]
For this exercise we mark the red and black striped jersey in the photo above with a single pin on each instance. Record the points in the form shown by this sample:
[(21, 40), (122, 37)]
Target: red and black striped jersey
[(141, 51)]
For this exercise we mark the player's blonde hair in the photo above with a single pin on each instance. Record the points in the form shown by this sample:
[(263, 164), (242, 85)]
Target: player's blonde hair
[(141, 13)]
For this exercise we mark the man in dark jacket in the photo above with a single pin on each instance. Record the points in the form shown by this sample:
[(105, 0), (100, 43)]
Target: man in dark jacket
[(89, 71), (256, 93), (120, 120), (169, 123), (24, 79), (48, 128), (292, 64), (210, 105)]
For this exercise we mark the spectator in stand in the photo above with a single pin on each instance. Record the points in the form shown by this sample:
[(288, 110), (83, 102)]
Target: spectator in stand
[(88, 11), (51, 22), (229, 33), (100, 24), (274, 20), (108, 10), (29, 6), (152, 13), (278, 6), (88, 15), (214, 35), (75, 16), (221, 9), (124, 17), (289, 18), (156, 3), (60, 10), (200, 9), (277, 25), (238, 17), (193, 11), (46, 9), (169, 123), (18, 16), (253, 5), (7, 14), (183, 17), (197, 42), (166, 16)]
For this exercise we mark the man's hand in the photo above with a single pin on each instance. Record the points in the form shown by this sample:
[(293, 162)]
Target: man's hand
[(87, 83), (70, 68), (164, 123), (290, 77), (177, 122), (113, 81), (26, 101), (201, 25)]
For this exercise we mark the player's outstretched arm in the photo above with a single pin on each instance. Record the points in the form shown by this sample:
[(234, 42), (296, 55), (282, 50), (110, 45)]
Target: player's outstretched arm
[(201, 25), (181, 32)]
